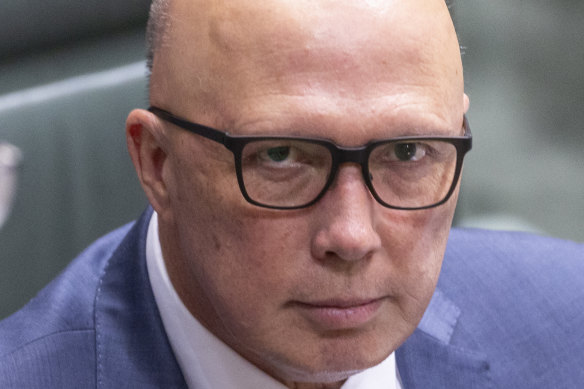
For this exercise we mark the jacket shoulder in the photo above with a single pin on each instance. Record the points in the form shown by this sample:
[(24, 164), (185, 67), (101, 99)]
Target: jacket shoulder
[(520, 301), (57, 326), (514, 261)]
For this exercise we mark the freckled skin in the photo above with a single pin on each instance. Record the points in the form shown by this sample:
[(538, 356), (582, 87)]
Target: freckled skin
[(344, 70)]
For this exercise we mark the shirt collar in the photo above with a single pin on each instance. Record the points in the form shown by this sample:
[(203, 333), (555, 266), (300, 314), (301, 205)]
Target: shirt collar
[(202, 357)]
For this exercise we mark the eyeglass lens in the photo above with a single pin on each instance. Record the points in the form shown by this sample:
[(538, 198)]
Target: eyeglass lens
[(412, 174), (285, 173)]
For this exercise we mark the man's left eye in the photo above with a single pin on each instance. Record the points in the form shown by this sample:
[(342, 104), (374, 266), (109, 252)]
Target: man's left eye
[(409, 151), (278, 154)]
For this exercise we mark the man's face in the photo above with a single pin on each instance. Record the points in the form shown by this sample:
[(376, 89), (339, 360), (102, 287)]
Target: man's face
[(319, 293)]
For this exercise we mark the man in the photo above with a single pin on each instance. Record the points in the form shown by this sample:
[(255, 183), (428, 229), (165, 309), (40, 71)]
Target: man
[(302, 162)]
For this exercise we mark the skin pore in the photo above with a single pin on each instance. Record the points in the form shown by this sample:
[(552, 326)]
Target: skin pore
[(281, 287)]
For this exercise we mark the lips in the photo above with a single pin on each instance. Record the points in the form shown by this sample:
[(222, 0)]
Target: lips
[(340, 314)]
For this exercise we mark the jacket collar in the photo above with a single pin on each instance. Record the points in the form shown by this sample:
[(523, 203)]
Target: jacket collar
[(428, 359), (132, 349)]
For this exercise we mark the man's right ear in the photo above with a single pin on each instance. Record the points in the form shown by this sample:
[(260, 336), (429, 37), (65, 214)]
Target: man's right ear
[(145, 139)]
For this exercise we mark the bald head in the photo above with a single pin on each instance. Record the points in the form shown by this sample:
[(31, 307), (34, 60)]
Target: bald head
[(208, 53), (158, 21)]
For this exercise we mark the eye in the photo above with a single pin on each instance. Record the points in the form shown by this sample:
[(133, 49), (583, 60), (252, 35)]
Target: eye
[(285, 153), (409, 151), (278, 154)]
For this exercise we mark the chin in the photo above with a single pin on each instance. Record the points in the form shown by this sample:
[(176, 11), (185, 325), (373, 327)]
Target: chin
[(336, 360)]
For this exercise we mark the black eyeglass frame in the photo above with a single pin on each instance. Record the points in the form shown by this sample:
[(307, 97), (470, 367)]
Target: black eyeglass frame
[(339, 154)]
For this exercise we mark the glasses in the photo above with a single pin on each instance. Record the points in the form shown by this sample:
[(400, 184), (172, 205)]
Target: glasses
[(286, 172)]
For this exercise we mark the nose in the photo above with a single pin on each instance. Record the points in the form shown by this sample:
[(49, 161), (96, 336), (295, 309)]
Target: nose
[(346, 219)]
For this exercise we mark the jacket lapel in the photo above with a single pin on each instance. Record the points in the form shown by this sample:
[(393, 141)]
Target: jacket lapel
[(428, 360), (132, 349)]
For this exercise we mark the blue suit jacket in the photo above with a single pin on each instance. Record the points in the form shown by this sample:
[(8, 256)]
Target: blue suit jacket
[(508, 313)]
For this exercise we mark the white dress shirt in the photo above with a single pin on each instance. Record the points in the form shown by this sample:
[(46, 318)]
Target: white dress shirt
[(208, 363)]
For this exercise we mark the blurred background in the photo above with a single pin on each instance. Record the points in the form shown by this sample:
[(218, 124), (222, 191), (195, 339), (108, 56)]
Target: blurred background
[(70, 71), (524, 73)]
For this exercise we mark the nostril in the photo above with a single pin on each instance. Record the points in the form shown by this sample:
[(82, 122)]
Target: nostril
[(347, 236)]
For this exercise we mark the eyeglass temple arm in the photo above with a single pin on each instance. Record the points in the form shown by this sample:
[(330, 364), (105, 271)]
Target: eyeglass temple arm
[(199, 129)]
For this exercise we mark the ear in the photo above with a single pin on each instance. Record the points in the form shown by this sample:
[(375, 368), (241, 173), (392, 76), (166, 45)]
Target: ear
[(465, 102), (145, 139)]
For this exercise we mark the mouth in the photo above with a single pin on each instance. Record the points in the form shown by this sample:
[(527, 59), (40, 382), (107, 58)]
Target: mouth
[(339, 314)]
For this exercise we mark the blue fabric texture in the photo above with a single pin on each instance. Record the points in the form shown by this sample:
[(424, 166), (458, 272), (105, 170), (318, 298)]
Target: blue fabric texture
[(95, 326), (508, 313)]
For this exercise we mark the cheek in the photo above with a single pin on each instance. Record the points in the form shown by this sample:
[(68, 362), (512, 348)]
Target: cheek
[(414, 243), (244, 263), (239, 254)]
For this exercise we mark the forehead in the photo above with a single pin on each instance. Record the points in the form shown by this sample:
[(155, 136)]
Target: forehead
[(252, 58)]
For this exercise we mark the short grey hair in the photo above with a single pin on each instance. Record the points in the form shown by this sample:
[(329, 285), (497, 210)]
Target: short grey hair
[(158, 22)]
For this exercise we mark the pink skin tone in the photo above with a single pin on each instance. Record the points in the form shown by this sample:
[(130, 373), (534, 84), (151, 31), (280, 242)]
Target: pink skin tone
[(314, 295)]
